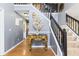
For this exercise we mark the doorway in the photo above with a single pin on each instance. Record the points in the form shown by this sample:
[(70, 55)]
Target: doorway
[(25, 28)]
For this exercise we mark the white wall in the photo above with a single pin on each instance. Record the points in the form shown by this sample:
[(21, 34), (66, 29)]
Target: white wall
[(10, 34), (55, 15), (1, 31), (67, 6), (45, 24)]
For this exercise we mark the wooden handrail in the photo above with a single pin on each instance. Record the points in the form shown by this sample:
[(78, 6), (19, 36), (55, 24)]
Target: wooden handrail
[(56, 23)]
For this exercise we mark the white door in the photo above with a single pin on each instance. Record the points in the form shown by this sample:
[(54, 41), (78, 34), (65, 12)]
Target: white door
[(1, 31)]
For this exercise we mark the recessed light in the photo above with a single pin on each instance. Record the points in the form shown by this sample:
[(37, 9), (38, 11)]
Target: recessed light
[(25, 13)]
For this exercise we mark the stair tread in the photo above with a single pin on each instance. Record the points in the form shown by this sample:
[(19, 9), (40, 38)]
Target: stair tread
[(73, 51)]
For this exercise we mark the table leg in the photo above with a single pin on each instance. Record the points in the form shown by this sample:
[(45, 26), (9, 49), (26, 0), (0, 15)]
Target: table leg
[(45, 46), (30, 45)]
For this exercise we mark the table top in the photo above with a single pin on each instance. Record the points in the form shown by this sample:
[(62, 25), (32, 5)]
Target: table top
[(38, 34)]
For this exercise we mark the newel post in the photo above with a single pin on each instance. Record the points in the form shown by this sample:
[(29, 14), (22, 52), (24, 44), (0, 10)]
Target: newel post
[(65, 42)]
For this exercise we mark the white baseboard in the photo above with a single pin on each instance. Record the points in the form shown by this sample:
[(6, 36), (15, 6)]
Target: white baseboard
[(53, 51), (13, 47)]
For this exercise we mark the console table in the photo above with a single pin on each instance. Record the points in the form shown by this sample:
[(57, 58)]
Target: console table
[(40, 37)]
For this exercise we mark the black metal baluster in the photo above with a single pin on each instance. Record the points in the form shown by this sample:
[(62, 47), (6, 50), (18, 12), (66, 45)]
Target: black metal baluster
[(59, 35), (78, 28), (66, 19), (71, 22), (75, 26)]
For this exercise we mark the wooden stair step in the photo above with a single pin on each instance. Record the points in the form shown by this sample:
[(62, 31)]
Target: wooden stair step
[(69, 33), (73, 52), (71, 38), (71, 44)]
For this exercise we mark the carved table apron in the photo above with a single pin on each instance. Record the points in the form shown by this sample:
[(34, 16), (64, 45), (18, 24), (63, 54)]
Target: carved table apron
[(42, 38)]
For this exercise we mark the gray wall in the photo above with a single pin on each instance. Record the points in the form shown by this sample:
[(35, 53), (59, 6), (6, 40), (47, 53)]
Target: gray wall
[(53, 43), (62, 18), (55, 16), (68, 6), (12, 33), (74, 11), (45, 24), (45, 28)]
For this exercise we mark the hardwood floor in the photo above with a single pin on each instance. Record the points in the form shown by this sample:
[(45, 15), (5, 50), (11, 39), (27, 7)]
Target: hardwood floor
[(23, 50)]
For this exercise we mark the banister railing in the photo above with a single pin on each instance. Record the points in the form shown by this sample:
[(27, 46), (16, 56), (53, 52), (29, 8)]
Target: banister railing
[(72, 23), (60, 34)]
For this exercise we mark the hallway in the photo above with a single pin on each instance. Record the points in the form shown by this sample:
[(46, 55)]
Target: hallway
[(22, 50), (26, 20), (46, 26)]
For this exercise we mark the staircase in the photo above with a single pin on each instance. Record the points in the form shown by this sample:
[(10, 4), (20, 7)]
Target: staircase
[(72, 35), (72, 29), (72, 42)]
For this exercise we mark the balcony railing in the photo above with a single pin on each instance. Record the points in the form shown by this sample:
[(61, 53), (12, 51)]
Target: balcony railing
[(72, 23)]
